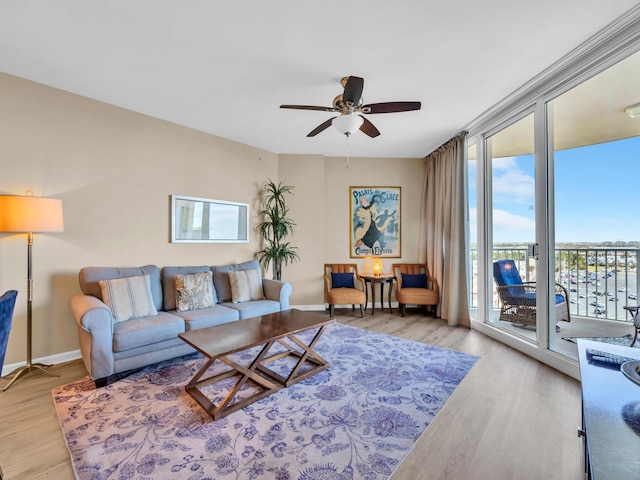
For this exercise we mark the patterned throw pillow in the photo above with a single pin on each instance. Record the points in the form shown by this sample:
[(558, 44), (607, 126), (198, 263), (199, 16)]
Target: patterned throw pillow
[(246, 285), (128, 297), (194, 291)]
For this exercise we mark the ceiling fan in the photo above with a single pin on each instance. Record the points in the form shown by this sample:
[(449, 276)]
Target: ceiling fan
[(349, 105)]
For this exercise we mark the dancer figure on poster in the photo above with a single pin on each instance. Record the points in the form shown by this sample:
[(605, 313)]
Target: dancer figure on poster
[(371, 228)]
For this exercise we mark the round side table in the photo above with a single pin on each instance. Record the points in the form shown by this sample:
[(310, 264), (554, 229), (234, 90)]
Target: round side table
[(634, 310), (381, 279)]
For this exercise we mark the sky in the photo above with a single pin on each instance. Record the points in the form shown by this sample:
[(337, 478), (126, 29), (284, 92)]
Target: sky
[(597, 195)]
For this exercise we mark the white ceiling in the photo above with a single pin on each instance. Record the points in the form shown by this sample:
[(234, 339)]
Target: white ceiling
[(225, 67)]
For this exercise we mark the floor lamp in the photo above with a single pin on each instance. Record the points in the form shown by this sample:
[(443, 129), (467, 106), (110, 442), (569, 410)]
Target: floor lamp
[(29, 214)]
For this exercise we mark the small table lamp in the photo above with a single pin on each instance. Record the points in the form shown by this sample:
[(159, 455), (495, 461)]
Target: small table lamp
[(377, 267), (29, 214)]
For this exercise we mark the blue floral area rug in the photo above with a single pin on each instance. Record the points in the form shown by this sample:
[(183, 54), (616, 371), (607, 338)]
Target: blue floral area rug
[(356, 420)]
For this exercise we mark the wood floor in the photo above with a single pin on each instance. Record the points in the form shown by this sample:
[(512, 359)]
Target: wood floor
[(510, 418)]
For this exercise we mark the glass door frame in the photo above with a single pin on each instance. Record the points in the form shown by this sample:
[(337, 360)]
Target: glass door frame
[(617, 42), (485, 220), (544, 238)]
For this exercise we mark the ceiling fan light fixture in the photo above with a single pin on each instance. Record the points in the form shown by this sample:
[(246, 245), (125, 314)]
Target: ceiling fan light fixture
[(633, 110), (347, 124), (349, 105)]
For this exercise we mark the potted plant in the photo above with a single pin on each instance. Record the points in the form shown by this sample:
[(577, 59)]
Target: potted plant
[(275, 226)]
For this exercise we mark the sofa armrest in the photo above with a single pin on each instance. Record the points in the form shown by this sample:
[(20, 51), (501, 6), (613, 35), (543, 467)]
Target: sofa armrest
[(277, 290), (91, 313), (95, 332)]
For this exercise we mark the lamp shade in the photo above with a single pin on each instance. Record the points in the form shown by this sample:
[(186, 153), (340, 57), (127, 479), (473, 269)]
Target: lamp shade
[(377, 266), (348, 124), (24, 214)]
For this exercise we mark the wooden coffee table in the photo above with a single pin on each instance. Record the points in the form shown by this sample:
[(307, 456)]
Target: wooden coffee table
[(220, 341)]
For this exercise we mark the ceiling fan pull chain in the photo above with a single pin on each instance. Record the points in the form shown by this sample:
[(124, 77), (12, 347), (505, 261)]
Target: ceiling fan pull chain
[(347, 156)]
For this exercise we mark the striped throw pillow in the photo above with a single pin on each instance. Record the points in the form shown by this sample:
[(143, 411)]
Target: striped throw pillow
[(128, 297), (246, 285)]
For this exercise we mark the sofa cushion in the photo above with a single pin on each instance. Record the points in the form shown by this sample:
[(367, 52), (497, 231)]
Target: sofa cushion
[(169, 284), (146, 331), (194, 291), (246, 285), (253, 309), (128, 297), (221, 277), (207, 317), (90, 276)]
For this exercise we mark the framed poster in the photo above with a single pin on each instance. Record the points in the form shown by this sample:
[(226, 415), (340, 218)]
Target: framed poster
[(375, 222)]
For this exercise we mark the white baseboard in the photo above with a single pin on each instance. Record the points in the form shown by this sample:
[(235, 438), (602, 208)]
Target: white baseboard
[(309, 307), (325, 306), (51, 359)]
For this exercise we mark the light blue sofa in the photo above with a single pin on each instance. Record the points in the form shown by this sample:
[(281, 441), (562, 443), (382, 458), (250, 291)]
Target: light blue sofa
[(109, 348)]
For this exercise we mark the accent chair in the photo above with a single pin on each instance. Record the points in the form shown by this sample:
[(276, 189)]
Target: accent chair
[(416, 286), (344, 286), (7, 303)]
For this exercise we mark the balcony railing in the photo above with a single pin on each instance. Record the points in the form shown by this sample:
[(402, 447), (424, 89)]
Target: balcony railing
[(599, 281)]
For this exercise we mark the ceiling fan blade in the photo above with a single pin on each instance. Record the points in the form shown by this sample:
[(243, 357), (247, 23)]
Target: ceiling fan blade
[(369, 128), (320, 128), (353, 90), (309, 107), (391, 107)]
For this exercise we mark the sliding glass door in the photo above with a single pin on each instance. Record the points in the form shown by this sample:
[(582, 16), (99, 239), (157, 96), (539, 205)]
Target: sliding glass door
[(553, 218), (510, 162)]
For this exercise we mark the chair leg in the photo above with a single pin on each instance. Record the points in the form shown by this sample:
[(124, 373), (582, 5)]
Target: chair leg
[(635, 337), (362, 311), (330, 310), (353, 308), (402, 308)]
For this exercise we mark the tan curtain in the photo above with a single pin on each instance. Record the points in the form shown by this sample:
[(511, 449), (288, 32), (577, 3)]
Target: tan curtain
[(442, 233)]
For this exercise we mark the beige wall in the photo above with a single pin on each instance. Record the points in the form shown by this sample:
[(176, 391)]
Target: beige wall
[(115, 171), (321, 211)]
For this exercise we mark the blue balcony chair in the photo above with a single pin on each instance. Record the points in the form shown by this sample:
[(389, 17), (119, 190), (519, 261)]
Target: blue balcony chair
[(518, 298), (7, 302)]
